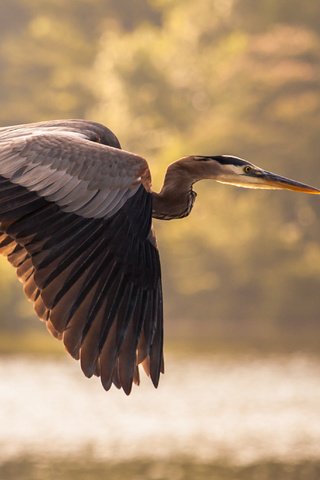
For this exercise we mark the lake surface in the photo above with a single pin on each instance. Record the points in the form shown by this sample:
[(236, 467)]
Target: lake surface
[(219, 410)]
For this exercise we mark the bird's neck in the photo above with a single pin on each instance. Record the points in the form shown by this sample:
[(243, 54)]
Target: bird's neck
[(176, 198)]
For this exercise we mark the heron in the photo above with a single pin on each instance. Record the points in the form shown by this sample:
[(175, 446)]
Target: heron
[(76, 222)]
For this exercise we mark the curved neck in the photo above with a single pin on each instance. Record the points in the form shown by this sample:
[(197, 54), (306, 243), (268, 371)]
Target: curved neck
[(176, 198)]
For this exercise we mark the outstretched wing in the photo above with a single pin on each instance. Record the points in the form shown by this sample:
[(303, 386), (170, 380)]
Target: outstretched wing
[(75, 221)]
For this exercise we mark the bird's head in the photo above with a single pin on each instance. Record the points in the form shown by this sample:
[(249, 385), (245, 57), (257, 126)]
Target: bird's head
[(236, 171)]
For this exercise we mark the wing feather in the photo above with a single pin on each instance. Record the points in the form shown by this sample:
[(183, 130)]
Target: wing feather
[(75, 221)]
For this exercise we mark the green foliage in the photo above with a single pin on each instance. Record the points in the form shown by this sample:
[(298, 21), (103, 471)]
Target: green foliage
[(47, 55), (178, 77)]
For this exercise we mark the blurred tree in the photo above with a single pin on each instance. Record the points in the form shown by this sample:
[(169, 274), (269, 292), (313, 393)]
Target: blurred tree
[(257, 17), (47, 51)]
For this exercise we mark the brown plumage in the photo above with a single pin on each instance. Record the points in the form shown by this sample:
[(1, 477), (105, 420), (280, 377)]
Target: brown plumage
[(75, 222)]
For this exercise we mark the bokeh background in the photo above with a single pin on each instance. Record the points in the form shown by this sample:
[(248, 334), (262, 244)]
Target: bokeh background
[(241, 396)]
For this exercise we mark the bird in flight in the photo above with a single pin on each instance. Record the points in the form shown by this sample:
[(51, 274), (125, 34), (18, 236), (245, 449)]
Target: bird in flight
[(76, 222)]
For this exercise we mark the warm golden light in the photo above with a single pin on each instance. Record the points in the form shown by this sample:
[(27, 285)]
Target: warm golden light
[(241, 276)]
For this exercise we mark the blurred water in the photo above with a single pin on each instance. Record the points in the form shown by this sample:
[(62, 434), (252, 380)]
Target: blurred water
[(241, 410)]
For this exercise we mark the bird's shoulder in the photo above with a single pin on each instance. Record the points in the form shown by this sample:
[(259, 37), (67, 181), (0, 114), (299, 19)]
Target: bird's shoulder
[(84, 149)]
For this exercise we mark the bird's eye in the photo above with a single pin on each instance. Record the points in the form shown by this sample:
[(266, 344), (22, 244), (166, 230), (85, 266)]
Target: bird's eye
[(248, 169)]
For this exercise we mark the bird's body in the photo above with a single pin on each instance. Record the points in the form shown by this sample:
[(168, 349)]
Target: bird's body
[(76, 222)]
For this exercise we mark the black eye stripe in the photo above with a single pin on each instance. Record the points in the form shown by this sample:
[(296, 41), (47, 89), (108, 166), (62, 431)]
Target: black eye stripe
[(228, 160)]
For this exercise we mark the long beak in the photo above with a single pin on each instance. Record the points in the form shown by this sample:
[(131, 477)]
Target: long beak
[(270, 180)]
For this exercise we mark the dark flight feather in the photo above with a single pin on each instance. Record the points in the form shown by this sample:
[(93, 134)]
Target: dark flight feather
[(80, 241)]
